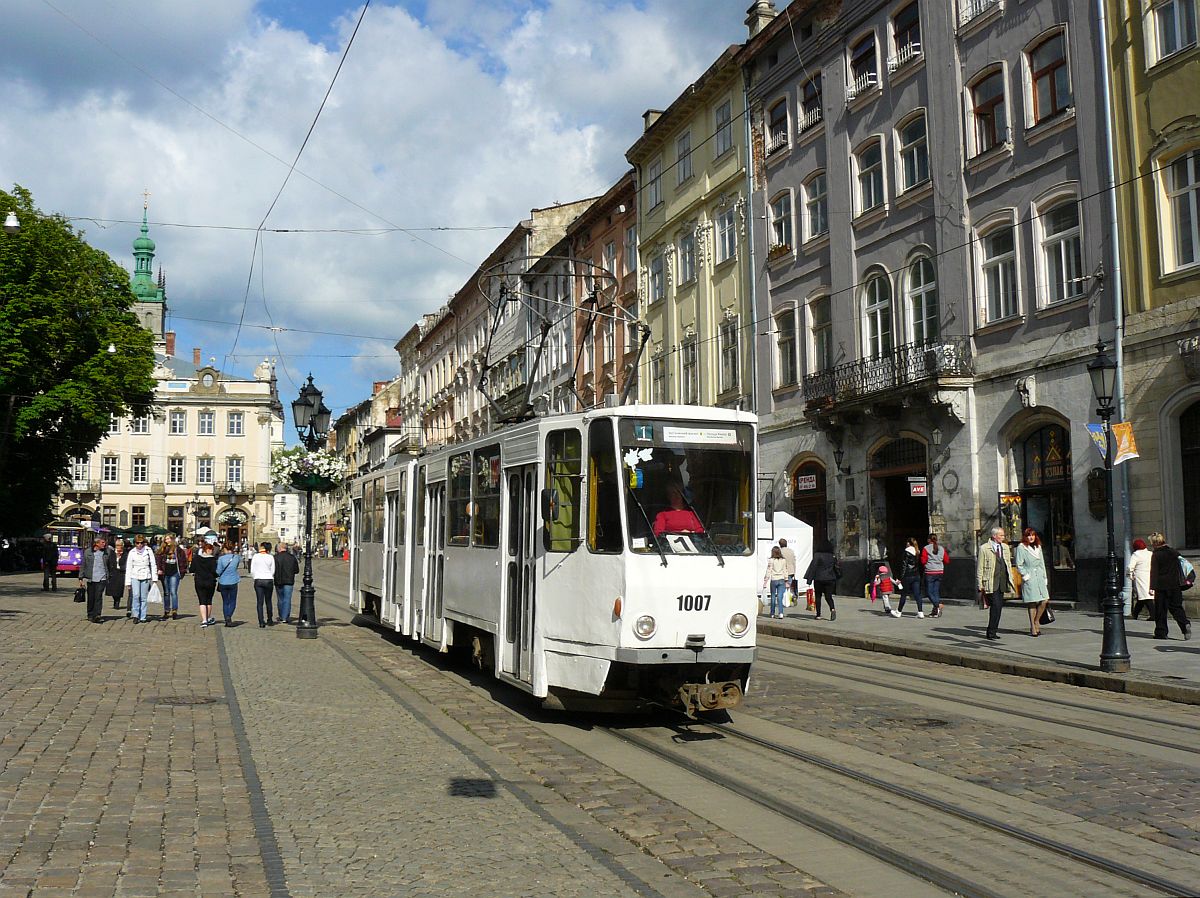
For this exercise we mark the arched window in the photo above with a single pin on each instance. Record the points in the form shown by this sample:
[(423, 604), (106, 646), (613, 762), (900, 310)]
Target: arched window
[(1189, 452), (988, 112), (785, 344), (810, 103), (777, 127), (877, 314), (1049, 77), (998, 272), (914, 152), (1062, 257), (864, 66), (869, 161), (921, 298), (1181, 214), (816, 206)]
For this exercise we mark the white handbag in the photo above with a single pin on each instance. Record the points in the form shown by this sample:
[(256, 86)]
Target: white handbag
[(155, 595)]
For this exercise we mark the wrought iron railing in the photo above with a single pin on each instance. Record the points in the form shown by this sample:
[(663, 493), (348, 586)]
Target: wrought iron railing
[(777, 140), (971, 9), (860, 85), (808, 118), (904, 366), (906, 54)]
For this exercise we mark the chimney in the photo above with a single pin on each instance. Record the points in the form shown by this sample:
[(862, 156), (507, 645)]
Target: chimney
[(169, 336), (196, 356), (759, 14), (649, 117)]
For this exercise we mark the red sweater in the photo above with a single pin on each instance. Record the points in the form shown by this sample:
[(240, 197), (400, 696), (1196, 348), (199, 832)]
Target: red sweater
[(677, 520)]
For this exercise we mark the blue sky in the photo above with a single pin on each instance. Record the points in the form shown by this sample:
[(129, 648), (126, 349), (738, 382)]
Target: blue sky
[(446, 115)]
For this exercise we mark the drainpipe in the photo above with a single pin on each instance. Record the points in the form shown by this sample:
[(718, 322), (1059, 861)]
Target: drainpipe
[(750, 226), (1117, 279)]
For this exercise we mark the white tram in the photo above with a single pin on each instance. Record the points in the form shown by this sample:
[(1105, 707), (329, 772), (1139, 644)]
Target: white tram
[(603, 559)]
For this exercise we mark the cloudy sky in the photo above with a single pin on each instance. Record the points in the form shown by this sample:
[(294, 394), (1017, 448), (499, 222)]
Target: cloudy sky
[(449, 119)]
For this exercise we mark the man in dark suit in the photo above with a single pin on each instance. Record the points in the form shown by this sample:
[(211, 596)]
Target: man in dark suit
[(49, 563)]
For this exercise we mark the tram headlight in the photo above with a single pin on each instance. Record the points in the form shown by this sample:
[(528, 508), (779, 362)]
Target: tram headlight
[(644, 626), (739, 624)]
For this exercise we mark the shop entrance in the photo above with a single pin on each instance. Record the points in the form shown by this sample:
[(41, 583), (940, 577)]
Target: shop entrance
[(898, 479), (1045, 463), (809, 500)]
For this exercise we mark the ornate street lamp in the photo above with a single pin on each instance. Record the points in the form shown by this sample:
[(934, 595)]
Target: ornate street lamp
[(312, 426), (12, 224), (1114, 654)]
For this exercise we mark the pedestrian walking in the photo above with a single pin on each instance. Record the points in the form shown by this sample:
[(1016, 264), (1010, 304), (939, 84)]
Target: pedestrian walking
[(1166, 586), (823, 573), (994, 572), (140, 570), (228, 579), (776, 580), (94, 572), (1035, 583), (262, 572), (204, 578), (789, 556), (286, 569), (1139, 580), (883, 586), (49, 563), (172, 566), (116, 582), (934, 559), (910, 576)]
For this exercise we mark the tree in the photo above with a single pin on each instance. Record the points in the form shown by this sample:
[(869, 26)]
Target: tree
[(63, 304)]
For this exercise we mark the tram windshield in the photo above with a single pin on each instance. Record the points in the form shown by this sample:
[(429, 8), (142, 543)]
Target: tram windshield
[(688, 486)]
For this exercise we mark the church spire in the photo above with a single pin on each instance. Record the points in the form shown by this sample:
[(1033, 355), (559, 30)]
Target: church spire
[(150, 295)]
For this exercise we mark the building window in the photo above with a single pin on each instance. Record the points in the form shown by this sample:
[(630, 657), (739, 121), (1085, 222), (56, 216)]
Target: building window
[(1050, 79), (233, 471), (870, 177), (176, 470), (109, 515), (683, 155), (1173, 27), (137, 516), (207, 424), (606, 339), (178, 423), (657, 279), (631, 330), (691, 373), (658, 379), (140, 424), (610, 260), (631, 252), (139, 471), (914, 153), (906, 36), (877, 311), (79, 470), (999, 273), (729, 354), (236, 424), (687, 257), (864, 66), (987, 107), (726, 236), (723, 129), (108, 469), (822, 334), (114, 424), (785, 349), (204, 471), (922, 299), (816, 206), (777, 127), (1183, 210), (1062, 256), (781, 222), (654, 184), (810, 103)]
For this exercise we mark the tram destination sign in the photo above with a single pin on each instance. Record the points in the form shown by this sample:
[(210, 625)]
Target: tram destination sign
[(713, 436)]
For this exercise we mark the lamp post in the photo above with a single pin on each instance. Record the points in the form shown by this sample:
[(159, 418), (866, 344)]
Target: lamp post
[(12, 224), (312, 424), (1114, 654)]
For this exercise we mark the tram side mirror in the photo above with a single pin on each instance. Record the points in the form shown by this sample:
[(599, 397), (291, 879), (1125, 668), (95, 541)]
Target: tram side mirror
[(549, 504), (769, 506)]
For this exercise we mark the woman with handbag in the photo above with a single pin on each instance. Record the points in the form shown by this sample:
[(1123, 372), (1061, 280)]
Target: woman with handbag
[(116, 580), (1139, 579), (823, 573), (1166, 587), (1034, 585), (204, 578), (172, 565), (228, 579), (776, 579), (140, 571), (910, 576)]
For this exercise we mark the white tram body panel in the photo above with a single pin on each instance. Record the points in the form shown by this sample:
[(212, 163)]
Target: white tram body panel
[(606, 555)]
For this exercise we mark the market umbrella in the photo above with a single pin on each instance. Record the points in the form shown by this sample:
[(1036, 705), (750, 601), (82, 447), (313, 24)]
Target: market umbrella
[(154, 530)]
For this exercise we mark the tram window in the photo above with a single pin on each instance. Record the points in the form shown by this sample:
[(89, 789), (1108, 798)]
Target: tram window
[(368, 519), (419, 506), (401, 510), (604, 495), (458, 501), (564, 473), (377, 512), (487, 497)]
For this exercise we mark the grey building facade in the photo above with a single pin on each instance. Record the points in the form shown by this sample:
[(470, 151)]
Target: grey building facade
[(929, 199)]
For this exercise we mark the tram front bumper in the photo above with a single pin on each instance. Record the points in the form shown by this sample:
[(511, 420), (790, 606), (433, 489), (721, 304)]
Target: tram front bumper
[(716, 655)]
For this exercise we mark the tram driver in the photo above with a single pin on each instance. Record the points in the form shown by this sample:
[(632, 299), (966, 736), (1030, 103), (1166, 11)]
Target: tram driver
[(677, 517)]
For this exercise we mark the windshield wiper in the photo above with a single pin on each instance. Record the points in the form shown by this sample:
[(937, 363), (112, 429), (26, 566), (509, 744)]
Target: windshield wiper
[(707, 530), (646, 518)]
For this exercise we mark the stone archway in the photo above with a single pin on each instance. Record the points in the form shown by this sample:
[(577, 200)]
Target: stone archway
[(807, 486)]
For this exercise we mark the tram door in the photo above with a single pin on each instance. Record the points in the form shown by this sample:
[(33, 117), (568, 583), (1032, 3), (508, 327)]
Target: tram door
[(416, 586), (435, 545), (393, 592), (519, 581)]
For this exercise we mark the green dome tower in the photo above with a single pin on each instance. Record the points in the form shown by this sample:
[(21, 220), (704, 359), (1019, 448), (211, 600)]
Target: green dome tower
[(150, 295)]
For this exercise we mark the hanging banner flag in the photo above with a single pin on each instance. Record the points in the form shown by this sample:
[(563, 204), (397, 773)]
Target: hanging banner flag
[(1096, 432), (1126, 445)]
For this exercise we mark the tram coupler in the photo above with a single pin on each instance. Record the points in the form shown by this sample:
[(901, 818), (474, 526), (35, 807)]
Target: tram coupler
[(697, 697)]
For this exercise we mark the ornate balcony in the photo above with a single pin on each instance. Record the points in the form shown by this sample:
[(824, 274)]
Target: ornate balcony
[(809, 118), (973, 9), (910, 52), (1189, 354), (877, 380), (860, 85)]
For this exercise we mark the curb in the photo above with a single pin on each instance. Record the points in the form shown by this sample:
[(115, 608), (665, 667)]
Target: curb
[(1055, 673)]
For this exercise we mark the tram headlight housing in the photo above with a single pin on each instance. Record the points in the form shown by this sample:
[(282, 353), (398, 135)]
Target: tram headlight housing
[(645, 627), (739, 624)]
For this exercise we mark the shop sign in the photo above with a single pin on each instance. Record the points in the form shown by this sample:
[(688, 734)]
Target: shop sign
[(806, 482), (918, 488)]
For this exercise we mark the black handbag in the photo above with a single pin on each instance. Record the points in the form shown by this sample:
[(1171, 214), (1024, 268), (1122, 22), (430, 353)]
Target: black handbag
[(1047, 616), (80, 594)]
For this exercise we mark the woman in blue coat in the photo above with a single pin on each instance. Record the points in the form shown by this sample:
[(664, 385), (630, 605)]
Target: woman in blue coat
[(1035, 588), (228, 578)]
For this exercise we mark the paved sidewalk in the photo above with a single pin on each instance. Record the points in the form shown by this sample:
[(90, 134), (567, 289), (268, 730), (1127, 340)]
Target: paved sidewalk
[(1067, 651)]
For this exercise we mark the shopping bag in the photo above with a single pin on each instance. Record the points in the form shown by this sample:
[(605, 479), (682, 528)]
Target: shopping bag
[(810, 598), (789, 598), (155, 595), (80, 594)]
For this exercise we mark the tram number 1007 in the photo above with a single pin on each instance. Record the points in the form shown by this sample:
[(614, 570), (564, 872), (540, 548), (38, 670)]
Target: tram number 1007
[(694, 603)]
